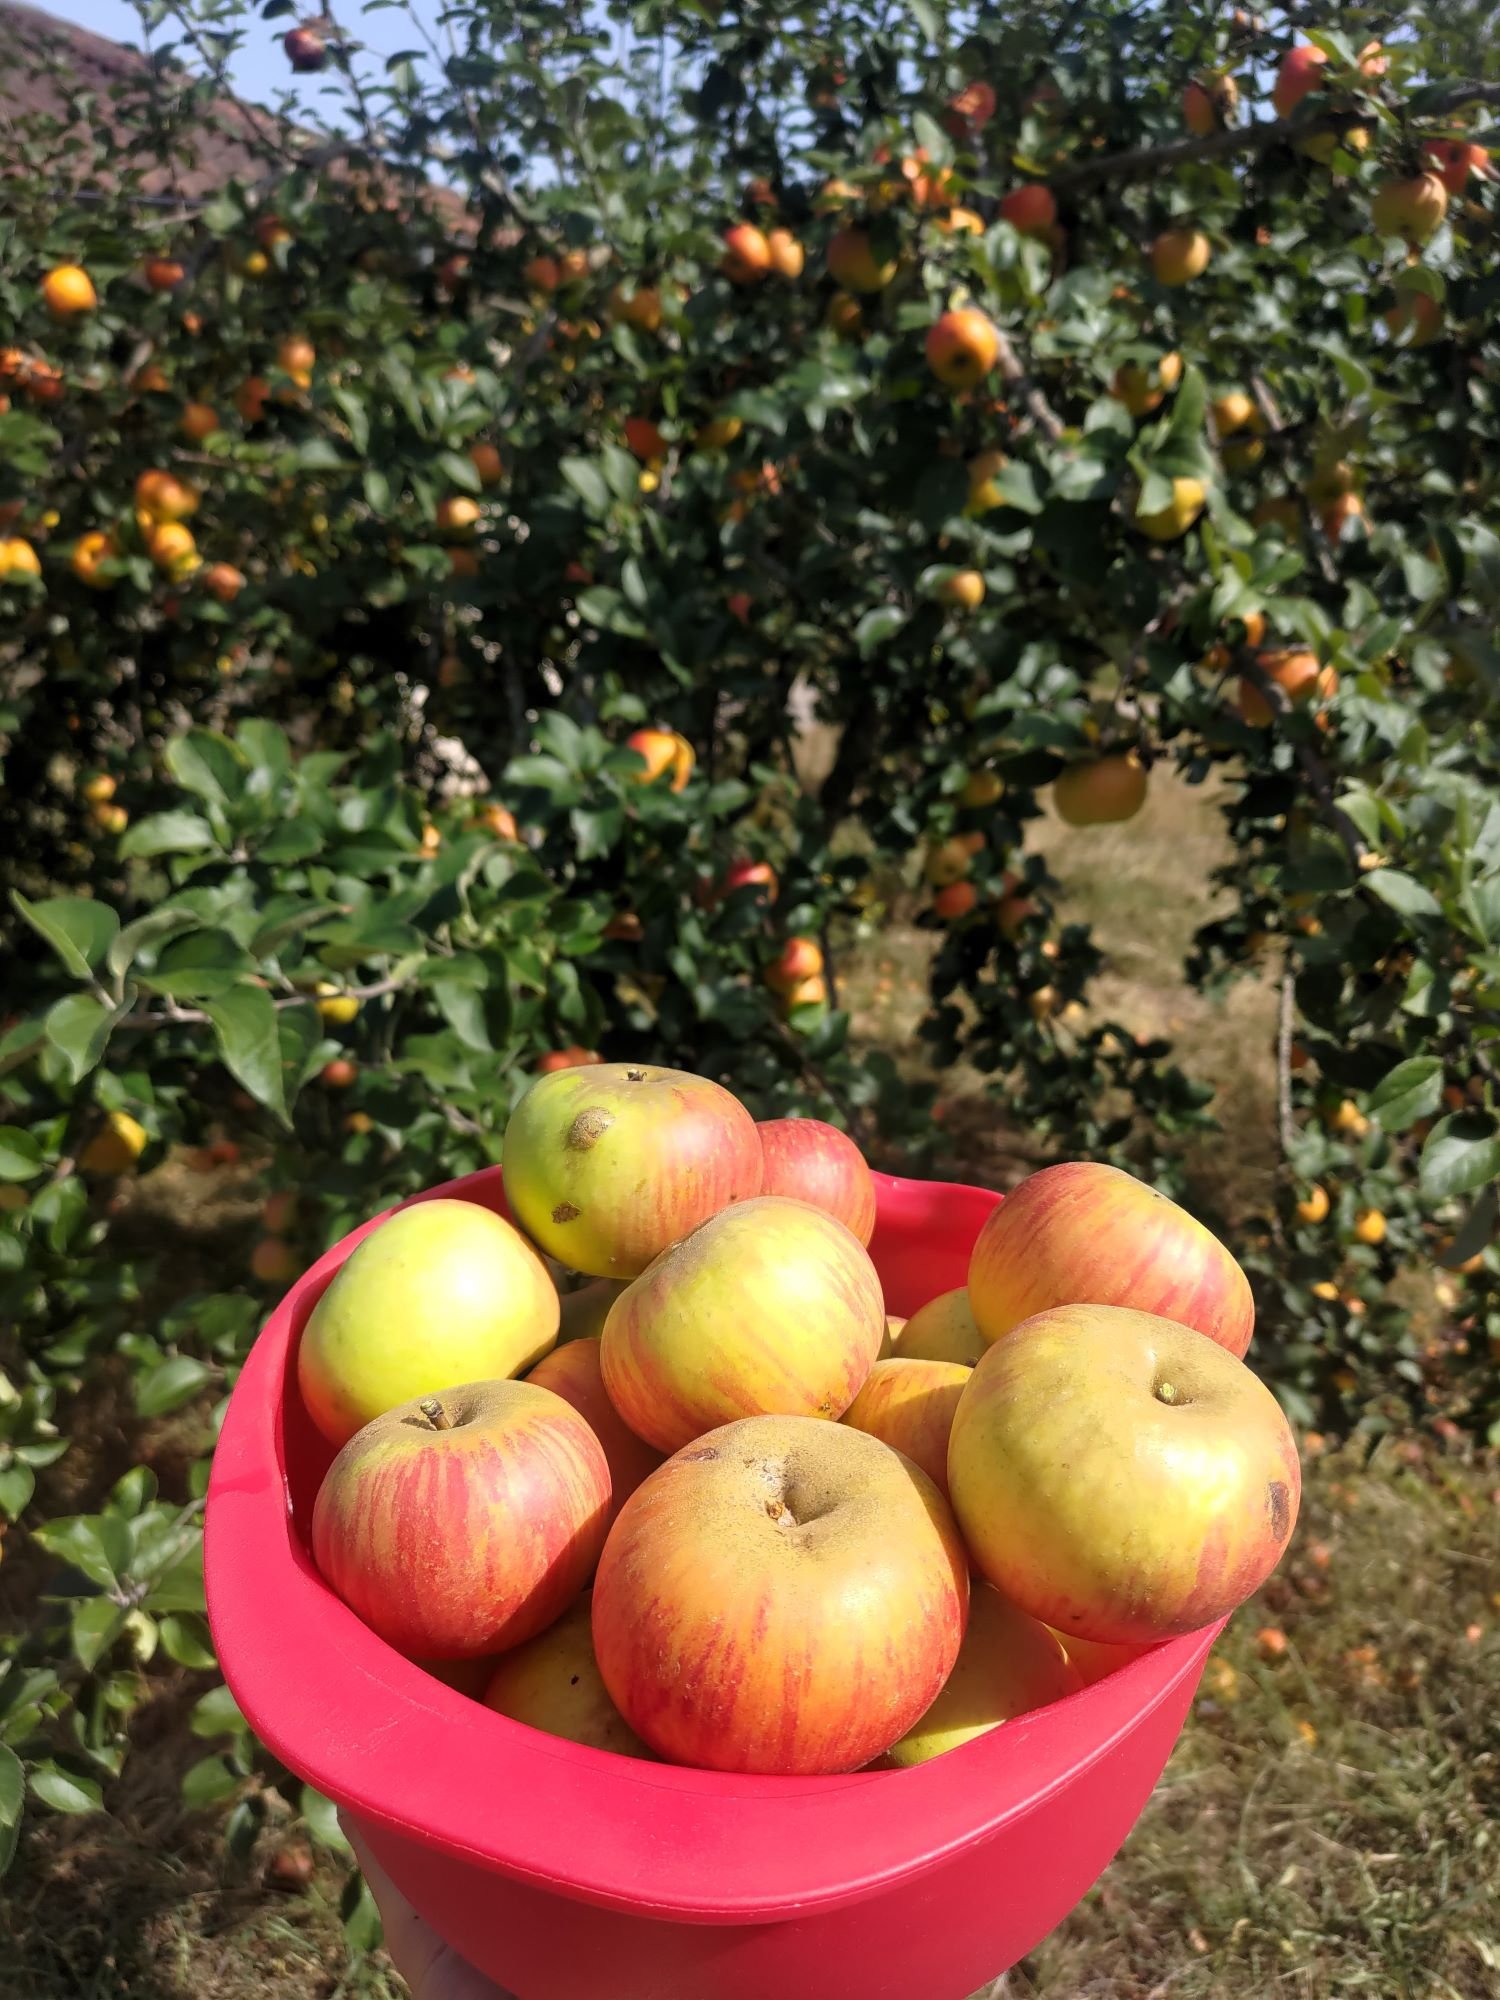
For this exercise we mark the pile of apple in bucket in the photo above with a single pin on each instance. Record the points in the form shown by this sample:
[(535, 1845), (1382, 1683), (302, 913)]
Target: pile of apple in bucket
[(714, 1506)]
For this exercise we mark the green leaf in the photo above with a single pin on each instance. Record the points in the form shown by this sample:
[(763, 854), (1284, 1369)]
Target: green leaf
[(1474, 1233), (1462, 1153), (169, 1386), (1412, 1090), (79, 1029), (322, 1820), (21, 1157), (217, 1713), (1402, 893), (95, 1624), (175, 832), (876, 627), (207, 764), (12, 1803), (96, 1545), (587, 481), (245, 1028), (148, 930), (266, 745), (79, 930), (17, 1484), (184, 1638), (66, 1791), (209, 1782)]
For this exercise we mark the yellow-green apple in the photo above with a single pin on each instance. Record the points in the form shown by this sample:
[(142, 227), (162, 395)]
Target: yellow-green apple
[(573, 1372), (1410, 208), (806, 1160), (853, 263), (783, 1596), (893, 1325), (1083, 1234), (1007, 1665), (1167, 524), (604, 1167), (943, 1330), (909, 1405), (962, 347), (1093, 1661), (583, 1312), (1142, 388), (769, 1308), (1180, 255), (553, 1683), (1101, 792), (1120, 1477), (464, 1522), (443, 1291)]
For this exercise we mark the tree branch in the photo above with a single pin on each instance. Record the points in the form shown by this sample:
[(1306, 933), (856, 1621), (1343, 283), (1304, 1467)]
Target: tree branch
[(1279, 436), (189, 1017), (1139, 161), (1042, 412), (1286, 1014)]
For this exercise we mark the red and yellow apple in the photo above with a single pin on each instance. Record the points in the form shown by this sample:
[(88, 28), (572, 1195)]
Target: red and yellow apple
[(962, 347), (910, 1405), (584, 1311), (806, 1160), (464, 1522), (1412, 208), (1180, 255), (1080, 1233), (942, 1330), (769, 1308), (1031, 209), (607, 1166), (1120, 1477), (573, 1371), (441, 1292), (783, 1596), (1007, 1665), (853, 263), (552, 1683)]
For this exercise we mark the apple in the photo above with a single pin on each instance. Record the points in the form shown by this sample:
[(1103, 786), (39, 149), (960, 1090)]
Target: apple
[(957, 901), (646, 440), (788, 258), (806, 1160), (443, 1291), (1411, 208), (1103, 792), (769, 1308), (306, 50), (1031, 209), (746, 874), (1453, 160), (638, 306), (893, 1325), (961, 590), (1080, 1233), (784, 1596), (799, 959), (464, 1522), (552, 1682), (1142, 389), (962, 347), (1416, 320), (1179, 255), (1208, 104), (973, 105), (1007, 1665), (1299, 676), (853, 264), (1169, 523), (1300, 74), (584, 1311), (574, 1056), (663, 750), (607, 1166), (1118, 1476), (747, 254), (573, 1371), (1094, 1661), (943, 1330), (909, 1405)]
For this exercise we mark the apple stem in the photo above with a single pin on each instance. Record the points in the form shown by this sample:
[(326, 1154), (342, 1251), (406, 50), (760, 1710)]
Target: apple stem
[(1166, 1392), (434, 1412)]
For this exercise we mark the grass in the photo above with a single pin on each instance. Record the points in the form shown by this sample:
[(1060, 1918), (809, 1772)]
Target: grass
[(1327, 1826)]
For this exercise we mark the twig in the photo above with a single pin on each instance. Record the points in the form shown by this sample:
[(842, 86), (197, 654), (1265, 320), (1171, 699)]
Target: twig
[(1258, 138), (1285, 1017), (1317, 771), (1042, 412), (173, 1016), (1278, 436)]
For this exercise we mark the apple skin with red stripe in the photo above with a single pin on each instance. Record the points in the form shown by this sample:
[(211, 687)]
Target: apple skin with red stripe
[(770, 1308), (1082, 1234), (1119, 1477), (460, 1524), (806, 1160), (783, 1596)]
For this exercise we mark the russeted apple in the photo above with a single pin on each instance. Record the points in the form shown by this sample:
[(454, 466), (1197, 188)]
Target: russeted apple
[(464, 1522), (806, 1160), (783, 1596), (1120, 1477), (607, 1166), (444, 1291), (769, 1308), (1007, 1665), (1079, 1233)]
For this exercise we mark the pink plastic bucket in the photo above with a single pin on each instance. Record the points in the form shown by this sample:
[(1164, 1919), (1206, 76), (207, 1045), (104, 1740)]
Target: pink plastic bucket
[(570, 1874)]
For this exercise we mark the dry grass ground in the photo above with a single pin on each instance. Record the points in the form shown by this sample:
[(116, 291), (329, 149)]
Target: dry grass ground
[(1327, 1825)]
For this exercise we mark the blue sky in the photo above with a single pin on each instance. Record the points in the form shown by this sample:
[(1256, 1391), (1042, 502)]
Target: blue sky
[(260, 70)]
